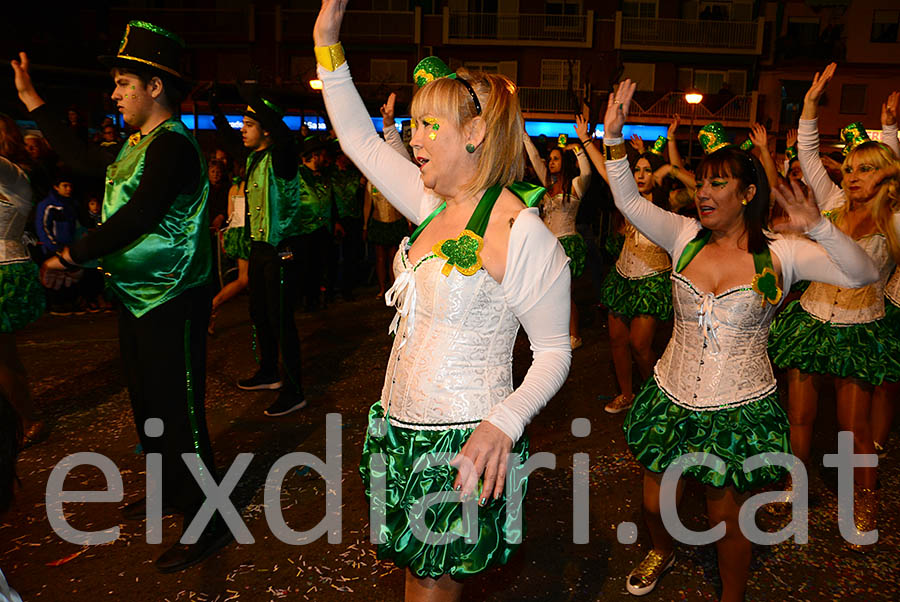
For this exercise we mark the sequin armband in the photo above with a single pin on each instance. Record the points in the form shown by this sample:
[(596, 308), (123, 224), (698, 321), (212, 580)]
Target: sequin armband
[(330, 57)]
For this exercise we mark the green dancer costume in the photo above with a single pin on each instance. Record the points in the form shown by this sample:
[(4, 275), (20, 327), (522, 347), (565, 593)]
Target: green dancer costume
[(639, 284)]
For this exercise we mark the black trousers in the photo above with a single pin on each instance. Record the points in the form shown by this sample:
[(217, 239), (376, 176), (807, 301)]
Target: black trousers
[(313, 258), (352, 252), (164, 356), (273, 283)]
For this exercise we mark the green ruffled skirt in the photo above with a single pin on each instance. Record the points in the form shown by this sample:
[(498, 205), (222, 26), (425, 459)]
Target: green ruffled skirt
[(403, 450), (388, 234), (576, 249), (237, 243), (658, 432), (650, 296), (614, 243), (22, 299), (869, 352)]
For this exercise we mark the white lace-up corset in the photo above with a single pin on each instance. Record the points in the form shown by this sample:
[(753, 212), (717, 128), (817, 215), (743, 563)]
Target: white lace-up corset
[(451, 361), (717, 356), (892, 288), (559, 213), (640, 257), (845, 306)]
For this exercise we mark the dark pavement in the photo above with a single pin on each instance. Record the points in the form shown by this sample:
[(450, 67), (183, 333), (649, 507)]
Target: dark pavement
[(77, 382)]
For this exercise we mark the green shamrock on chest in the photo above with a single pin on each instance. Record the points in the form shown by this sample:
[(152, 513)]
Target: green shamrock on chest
[(460, 252), (766, 285)]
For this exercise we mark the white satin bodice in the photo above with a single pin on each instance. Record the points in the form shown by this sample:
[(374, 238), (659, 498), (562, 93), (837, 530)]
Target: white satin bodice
[(892, 288), (559, 214), (451, 360), (717, 356), (845, 306), (640, 258)]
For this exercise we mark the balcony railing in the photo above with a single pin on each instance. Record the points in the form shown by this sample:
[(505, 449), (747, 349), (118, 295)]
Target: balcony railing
[(549, 100), (518, 29), (685, 35), (358, 25), (738, 111)]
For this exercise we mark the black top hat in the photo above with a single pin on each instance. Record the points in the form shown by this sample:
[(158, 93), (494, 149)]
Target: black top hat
[(149, 47)]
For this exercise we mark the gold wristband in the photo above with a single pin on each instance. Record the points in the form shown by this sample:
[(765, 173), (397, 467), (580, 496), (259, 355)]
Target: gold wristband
[(330, 57), (616, 152)]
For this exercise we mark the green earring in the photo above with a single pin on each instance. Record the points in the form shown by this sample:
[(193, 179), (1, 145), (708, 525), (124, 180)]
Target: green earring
[(470, 148)]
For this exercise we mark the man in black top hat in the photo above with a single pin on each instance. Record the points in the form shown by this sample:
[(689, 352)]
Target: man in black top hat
[(154, 247)]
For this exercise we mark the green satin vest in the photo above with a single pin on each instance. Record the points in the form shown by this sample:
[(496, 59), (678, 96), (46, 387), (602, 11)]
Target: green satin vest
[(315, 197), (345, 185), (272, 202), (175, 255)]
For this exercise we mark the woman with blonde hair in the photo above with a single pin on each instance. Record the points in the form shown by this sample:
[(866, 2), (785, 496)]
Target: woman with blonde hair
[(841, 331), (479, 265)]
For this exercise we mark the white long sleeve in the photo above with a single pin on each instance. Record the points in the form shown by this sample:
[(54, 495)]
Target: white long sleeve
[(581, 183), (396, 177), (392, 137), (889, 137), (834, 258), (829, 196), (540, 168), (664, 228), (536, 286)]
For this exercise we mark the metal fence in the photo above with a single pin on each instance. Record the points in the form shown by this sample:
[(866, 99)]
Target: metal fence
[(689, 34)]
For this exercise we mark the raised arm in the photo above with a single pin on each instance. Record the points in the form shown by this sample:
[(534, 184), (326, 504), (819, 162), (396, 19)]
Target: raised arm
[(672, 143), (397, 178), (581, 183), (540, 168), (889, 122), (828, 194), (760, 140), (590, 147), (660, 226), (388, 128)]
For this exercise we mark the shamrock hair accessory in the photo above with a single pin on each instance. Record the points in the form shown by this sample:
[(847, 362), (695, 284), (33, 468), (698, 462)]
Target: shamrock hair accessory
[(712, 137), (853, 135), (659, 146), (429, 69), (790, 153)]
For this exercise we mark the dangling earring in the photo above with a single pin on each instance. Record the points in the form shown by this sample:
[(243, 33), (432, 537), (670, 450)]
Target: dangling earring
[(470, 148), (744, 202)]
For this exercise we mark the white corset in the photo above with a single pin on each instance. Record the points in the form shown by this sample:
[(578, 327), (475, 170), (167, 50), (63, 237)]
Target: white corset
[(559, 214), (451, 361), (640, 257), (843, 306), (892, 288), (717, 355)]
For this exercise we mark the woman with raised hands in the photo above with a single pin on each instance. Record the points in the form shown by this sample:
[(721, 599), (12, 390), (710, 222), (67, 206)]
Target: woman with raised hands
[(713, 391), (566, 176), (636, 291), (836, 330), (479, 264)]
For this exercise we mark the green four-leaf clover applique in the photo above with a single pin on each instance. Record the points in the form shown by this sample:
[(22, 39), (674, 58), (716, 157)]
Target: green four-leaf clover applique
[(461, 252), (766, 284)]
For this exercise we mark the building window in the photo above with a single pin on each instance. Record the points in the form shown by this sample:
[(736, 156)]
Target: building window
[(803, 31), (563, 7), (639, 8), (555, 73), (644, 74), (734, 81), (388, 71), (885, 26), (853, 99)]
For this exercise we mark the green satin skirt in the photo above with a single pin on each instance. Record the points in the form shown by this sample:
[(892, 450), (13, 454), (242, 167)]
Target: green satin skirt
[(402, 451), (869, 352), (658, 432), (576, 250), (650, 296), (236, 243), (22, 298)]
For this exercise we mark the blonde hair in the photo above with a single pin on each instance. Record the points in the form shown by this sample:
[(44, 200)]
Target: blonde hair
[(886, 201), (499, 156)]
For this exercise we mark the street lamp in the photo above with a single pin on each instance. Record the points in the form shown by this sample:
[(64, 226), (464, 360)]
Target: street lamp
[(693, 97)]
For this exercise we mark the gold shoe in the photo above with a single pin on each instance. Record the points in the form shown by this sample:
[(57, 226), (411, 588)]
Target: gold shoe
[(865, 512), (781, 510), (34, 433), (619, 404), (644, 578)]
